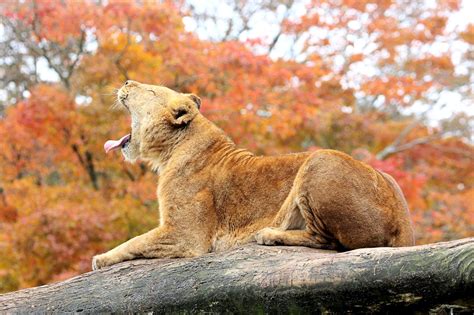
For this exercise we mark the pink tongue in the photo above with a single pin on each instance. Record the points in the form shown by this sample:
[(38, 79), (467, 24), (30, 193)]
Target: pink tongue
[(112, 145)]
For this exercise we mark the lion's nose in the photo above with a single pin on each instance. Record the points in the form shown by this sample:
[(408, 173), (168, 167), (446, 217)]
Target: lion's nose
[(131, 83)]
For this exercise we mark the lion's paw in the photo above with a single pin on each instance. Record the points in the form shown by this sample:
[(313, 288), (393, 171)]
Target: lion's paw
[(99, 261), (266, 236)]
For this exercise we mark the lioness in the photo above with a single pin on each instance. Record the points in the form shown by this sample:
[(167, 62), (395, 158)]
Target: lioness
[(213, 195)]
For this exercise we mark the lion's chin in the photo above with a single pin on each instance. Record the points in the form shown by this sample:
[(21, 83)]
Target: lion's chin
[(128, 152)]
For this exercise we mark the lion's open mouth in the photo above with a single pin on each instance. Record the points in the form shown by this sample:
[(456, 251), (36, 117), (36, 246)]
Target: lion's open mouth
[(112, 145)]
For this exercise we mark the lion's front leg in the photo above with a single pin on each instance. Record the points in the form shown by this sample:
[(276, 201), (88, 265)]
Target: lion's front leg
[(157, 243)]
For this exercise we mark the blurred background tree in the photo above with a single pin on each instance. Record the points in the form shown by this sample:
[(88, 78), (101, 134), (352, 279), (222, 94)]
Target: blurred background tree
[(387, 81)]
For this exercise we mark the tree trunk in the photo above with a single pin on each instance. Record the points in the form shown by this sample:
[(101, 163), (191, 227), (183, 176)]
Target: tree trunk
[(275, 279)]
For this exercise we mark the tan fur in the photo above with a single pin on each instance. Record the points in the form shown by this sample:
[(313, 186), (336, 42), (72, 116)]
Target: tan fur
[(213, 195)]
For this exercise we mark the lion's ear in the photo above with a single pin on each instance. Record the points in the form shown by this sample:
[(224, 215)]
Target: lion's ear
[(182, 113), (195, 99)]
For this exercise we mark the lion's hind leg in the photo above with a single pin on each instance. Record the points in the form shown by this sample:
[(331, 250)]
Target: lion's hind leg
[(296, 225), (276, 236), (289, 216)]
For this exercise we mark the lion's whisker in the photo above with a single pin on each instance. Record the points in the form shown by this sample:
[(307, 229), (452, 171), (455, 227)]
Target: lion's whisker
[(115, 105)]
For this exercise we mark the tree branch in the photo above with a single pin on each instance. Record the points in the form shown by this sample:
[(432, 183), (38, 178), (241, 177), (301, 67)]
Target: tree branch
[(118, 58), (87, 164), (398, 145), (397, 148), (259, 279), (280, 32)]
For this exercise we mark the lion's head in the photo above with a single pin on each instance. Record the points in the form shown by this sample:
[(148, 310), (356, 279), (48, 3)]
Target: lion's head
[(159, 117)]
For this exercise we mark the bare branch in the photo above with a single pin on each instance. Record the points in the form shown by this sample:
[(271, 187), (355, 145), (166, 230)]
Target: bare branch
[(393, 148), (398, 144), (118, 58), (288, 7)]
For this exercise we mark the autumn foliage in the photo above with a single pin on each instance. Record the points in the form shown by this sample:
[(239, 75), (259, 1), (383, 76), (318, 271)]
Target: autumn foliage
[(345, 75)]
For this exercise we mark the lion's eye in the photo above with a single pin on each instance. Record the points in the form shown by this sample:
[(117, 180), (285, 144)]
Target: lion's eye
[(152, 92)]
